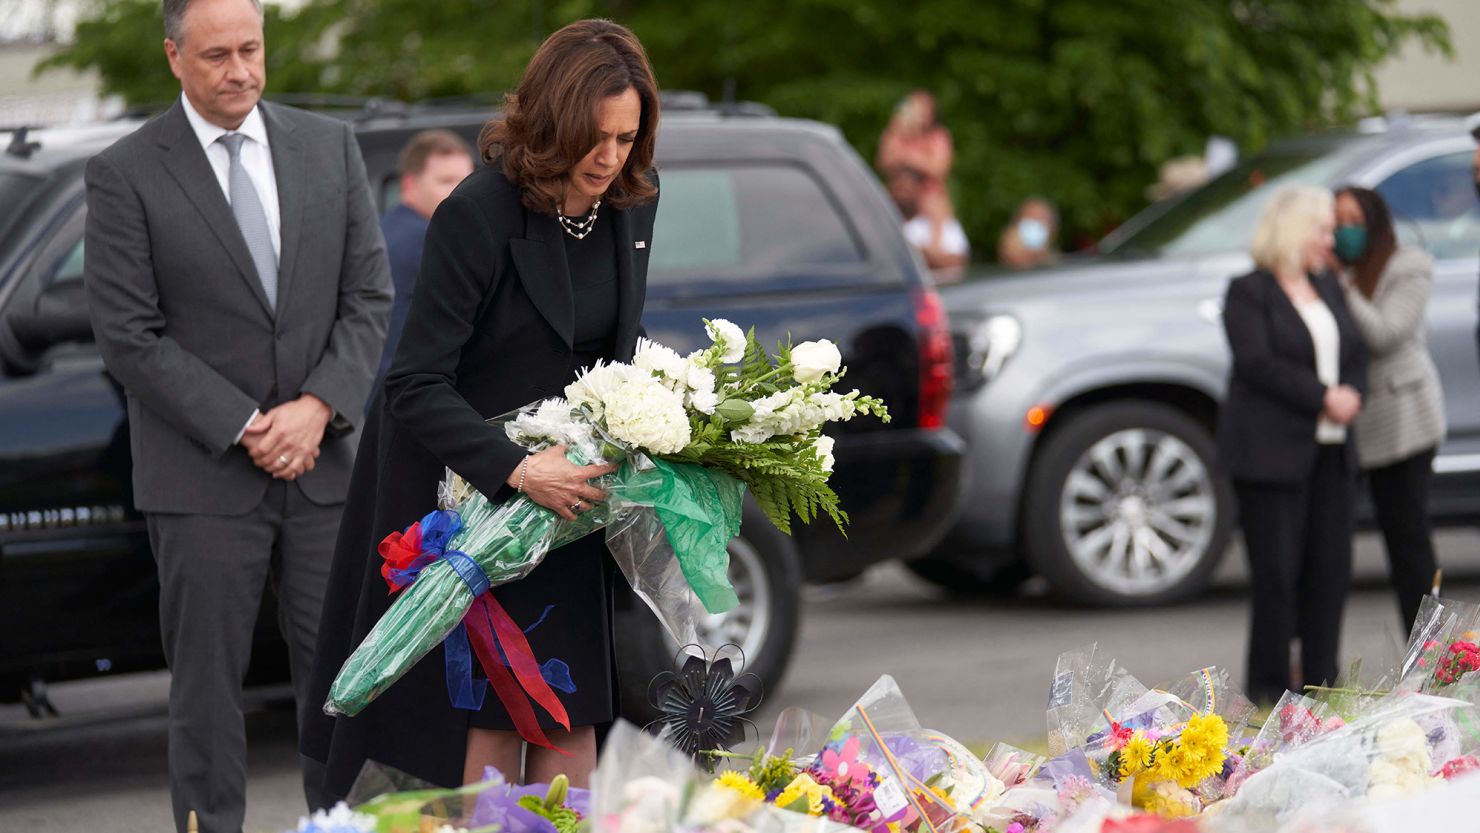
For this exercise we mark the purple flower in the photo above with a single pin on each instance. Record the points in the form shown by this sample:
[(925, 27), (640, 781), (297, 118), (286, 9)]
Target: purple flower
[(1015, 827)]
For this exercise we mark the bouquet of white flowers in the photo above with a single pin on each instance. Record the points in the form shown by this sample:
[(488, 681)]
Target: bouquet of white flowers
[(688, 433)]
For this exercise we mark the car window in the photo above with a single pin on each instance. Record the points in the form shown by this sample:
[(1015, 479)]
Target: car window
[(1434, 204), (748, 219), (68, 267), (1220, 216)]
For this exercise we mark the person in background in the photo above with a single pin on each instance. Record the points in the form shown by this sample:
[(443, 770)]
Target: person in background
[(431, 165), (1295, 386), (1402, 422), (929, 224), (1031, 239), (914, 139)]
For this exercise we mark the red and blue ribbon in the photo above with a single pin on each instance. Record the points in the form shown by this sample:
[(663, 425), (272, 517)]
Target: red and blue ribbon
[(487, 632)]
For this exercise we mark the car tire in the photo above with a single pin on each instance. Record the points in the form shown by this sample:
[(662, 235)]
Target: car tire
[(765, 569), (959, 580), (1124, 506)]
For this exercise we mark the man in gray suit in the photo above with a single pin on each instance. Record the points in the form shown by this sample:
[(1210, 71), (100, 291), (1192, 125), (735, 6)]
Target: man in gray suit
[(239, 292)]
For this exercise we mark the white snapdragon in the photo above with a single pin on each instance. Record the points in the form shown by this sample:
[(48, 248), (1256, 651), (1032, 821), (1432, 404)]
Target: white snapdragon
[(811, 360), (728, 337), (699, 382), (648, 416), (824, 448)]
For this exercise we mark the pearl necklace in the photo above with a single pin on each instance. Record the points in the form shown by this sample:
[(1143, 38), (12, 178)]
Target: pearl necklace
[(582, 227)]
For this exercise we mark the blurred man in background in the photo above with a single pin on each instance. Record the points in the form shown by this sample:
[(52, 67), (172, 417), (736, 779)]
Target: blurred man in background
[(930, 226), (432, 164)]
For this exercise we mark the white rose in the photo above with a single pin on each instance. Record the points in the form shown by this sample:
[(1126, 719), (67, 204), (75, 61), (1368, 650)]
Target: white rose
[(729, 337), (811, 360), (825, 452)]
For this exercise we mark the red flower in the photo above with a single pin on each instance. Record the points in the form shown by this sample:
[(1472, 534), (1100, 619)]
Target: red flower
[(1119, 735), (399, 549)]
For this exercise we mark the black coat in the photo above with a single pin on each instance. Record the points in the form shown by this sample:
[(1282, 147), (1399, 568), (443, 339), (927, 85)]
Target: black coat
[(489, 330), (1267, 426)]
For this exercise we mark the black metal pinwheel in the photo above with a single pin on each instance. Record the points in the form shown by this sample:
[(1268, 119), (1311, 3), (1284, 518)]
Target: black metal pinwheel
[(702, 705)]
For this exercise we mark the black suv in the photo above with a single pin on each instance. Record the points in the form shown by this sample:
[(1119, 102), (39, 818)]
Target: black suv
[(765, 221)]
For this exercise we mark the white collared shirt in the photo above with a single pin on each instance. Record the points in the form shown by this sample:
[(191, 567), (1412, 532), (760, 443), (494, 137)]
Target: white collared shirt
[(256, 158)]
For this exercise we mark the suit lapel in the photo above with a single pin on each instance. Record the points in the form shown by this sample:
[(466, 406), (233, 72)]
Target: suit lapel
[(186, 161), (1284, 308), (288, 167), (630, 288), (539, 258)]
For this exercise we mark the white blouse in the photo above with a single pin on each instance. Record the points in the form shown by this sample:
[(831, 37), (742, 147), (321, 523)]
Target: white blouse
[(1327, 340)]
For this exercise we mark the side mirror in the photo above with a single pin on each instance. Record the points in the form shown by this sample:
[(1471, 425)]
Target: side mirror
[(59, 317)]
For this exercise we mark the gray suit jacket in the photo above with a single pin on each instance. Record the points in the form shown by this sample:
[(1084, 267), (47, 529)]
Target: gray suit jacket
[(1403, 412), (183, 323)]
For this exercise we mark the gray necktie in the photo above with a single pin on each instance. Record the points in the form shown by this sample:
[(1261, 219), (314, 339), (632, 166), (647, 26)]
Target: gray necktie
[(251, 219)]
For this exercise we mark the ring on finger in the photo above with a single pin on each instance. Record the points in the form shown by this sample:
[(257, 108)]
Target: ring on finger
[(283, 458), (575, 507)]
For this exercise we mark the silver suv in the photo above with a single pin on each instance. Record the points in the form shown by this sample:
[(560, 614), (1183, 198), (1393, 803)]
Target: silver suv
[(1088, 391)]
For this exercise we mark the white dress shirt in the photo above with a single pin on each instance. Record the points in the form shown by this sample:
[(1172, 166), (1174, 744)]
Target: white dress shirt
[(1326, 338), (919, 230), (256, 158)]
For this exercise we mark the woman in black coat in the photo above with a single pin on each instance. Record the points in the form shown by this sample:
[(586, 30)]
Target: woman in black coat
[(533, 268), (1299, 367)]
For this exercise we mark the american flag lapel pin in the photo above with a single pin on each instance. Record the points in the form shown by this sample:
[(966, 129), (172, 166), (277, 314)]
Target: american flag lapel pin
[(642, 244)]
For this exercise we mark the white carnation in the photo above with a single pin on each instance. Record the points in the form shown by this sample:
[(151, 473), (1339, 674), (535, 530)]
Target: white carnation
[(594, 387), (648, 416), (657, 359), (811, 360), (825, 452), (751, 433), (729, 337)]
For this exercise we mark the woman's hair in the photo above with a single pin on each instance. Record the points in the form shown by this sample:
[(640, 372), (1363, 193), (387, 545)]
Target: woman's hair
[(549, 122), (1382, 241), (1288, 222)]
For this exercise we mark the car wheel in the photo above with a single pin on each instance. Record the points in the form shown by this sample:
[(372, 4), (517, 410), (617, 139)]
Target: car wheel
[(1124, 506), (765, 571), (960, 580)]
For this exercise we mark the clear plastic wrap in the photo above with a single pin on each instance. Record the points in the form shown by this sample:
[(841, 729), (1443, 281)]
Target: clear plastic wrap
[(667, 526), (1390, 751)]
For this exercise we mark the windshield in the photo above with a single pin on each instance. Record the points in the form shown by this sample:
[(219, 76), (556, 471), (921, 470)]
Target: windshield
[(1219, 217), (16, 192)]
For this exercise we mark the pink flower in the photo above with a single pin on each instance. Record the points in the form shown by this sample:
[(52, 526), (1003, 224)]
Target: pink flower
[(844, 766), (1015, 827)]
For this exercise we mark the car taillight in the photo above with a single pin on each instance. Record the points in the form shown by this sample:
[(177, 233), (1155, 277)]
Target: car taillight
[(936, 373)]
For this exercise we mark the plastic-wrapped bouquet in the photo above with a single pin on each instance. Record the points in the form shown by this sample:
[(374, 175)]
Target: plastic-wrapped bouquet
[(689, 434)]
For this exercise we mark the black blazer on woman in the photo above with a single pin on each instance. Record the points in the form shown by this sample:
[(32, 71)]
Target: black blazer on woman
[(490, 329), (1267, 426)]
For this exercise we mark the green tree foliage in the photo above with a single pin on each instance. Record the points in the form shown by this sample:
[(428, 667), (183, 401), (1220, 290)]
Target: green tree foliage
[(1076, 100)]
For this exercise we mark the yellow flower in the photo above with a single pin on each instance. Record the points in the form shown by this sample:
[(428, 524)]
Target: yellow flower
[(740, 784), (804, 787), (1167, 800), (1135, 756)]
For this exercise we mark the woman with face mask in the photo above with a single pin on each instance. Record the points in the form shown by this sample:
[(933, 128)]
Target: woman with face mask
[(1402, 421), (1031, 238)]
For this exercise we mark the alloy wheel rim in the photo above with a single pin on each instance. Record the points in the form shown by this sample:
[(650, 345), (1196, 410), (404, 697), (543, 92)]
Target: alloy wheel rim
[(1138, 511)]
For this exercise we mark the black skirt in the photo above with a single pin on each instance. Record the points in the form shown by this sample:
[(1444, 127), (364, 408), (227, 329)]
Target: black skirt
[(564, 607)]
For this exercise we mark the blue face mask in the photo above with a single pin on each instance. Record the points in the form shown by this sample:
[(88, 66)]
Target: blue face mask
[(1351, 241), (1033, 233)]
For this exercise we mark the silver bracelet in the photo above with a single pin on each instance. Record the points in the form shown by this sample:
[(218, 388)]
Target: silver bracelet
[(523, 470)]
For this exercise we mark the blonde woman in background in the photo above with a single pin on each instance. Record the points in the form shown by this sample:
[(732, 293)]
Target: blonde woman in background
[(1298, 373)]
